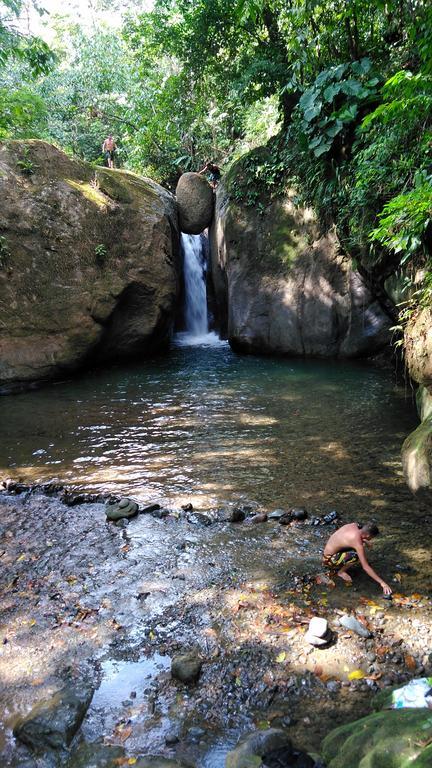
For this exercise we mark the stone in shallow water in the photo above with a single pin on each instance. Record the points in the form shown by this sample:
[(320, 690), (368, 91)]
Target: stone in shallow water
[(299, 513), (123, 508), (52, 723), (157, 761), (276, 514), (96, 755), (150, 508), (272, 748), (186, 667)]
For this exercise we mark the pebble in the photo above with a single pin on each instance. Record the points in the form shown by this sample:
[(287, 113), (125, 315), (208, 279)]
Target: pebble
[(349, 622)]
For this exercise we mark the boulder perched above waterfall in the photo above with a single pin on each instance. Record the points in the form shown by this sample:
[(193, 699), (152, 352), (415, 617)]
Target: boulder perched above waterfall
[(89, 263), (288, 289), (195, 202)]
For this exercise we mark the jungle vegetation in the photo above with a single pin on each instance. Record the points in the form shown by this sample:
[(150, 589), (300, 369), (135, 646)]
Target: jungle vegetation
[(330, 96)]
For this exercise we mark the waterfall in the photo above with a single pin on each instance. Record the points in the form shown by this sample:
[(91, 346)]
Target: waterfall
[(195, 294), (196, 318)]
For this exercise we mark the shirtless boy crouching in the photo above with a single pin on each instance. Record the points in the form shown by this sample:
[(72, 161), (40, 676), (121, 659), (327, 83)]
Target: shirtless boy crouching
[(345, 548)]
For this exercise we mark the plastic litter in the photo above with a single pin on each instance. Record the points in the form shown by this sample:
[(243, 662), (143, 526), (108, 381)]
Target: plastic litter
[(415, 694)]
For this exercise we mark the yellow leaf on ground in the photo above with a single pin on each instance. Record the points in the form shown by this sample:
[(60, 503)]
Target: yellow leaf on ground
[(357, 674), (281, 657)]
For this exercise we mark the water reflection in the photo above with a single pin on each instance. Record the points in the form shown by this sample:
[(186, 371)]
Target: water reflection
[(208, 423)]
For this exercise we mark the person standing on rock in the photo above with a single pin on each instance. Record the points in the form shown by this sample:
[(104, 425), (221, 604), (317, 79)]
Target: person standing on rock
[(108, 148), (345, 548), (213, 174)]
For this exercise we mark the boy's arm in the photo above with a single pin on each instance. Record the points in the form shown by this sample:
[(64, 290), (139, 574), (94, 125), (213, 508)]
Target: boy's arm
[(370, 571)]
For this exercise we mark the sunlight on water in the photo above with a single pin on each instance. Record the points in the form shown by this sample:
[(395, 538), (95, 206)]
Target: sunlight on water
[(203, 422)]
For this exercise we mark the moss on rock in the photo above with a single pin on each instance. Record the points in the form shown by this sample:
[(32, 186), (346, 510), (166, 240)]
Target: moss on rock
[(389, 739), (417, 457)]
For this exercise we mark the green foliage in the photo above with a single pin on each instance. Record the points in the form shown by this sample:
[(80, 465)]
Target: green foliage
[(405, 220), (25, 164), (15, 45), (334, 103), (101, 252), (22, 113)]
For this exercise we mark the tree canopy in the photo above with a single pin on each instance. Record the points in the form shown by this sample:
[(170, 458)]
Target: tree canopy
[(338, 93)]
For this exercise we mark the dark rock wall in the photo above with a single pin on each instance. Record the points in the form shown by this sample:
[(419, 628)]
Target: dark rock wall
[(285, 289)]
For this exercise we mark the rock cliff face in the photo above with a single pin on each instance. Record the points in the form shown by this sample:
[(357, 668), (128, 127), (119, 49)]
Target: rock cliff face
[(89, 264), (417, 448), (285, 288)]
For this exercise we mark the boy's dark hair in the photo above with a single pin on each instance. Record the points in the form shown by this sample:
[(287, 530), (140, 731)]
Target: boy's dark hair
[(370, 528)]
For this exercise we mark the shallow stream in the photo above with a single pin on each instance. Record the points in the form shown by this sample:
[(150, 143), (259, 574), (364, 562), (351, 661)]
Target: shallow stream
[(206, 426)]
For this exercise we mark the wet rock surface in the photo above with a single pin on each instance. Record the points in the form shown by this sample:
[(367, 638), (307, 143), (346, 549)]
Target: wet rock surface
[(186, 668), (112, 607), (53, 722), (273, 746)]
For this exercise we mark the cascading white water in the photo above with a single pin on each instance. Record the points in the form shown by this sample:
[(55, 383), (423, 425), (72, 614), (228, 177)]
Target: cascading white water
[(196, 316), (196, 331)]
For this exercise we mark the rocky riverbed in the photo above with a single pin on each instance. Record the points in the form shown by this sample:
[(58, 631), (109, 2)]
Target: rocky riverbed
[(89, 605)]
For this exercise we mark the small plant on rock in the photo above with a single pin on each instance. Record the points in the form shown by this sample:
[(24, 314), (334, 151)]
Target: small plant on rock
[(101, 253), (26, 165)]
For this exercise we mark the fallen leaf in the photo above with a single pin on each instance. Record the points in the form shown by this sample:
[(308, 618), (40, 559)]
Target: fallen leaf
[(357, 674), (281, 657), (410, 662), (123, 733), (382, 650)]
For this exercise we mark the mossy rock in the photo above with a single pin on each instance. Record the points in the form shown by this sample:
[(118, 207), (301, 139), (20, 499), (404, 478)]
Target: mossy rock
[(96, 755), (417, 457), (389, 739)]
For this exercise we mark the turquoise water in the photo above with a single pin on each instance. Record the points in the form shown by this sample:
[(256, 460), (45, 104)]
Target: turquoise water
[(203, 423)]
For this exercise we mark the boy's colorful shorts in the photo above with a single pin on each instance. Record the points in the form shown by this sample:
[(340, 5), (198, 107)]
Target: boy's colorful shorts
[(340, 559)]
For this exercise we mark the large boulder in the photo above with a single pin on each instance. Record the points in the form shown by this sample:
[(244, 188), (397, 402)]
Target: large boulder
[(285, 288), (195, 202), (417, 448), (89, 263), (418, 347)]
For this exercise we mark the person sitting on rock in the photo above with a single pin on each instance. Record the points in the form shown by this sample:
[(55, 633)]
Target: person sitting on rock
[(212, 172), (345, 548), (108, 148)]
